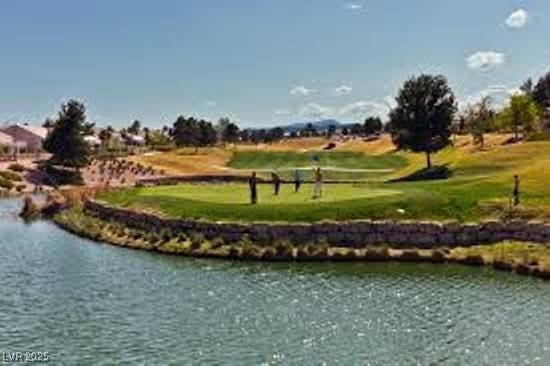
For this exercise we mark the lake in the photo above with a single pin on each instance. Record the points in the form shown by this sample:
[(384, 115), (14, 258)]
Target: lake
[(90, 303)]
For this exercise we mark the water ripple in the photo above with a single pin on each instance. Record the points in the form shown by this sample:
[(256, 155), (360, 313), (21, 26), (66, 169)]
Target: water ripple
[(91, 303)]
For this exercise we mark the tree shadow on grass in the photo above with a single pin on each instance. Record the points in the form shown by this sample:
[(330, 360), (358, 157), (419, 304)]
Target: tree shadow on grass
[(439, 172)]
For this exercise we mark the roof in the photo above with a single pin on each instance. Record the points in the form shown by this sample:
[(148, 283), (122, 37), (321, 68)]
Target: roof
[(5, 139), (36, 130), (41, 132)]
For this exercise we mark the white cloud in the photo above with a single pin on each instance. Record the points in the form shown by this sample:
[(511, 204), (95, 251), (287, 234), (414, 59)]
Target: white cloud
[(517, 19), (343, 89), (498, 94), (281, 112), (354, 6), (390, 101), (364, 108), (351, 111), (315, 110), (210, 103), (485, 60), (301, 90)]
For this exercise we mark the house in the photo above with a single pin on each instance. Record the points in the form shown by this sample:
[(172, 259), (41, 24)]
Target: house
[(92, 140), (6, 140), (28, 137)]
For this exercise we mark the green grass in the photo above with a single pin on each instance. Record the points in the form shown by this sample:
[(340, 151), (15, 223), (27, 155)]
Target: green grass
[(337, 165), (479, 188)]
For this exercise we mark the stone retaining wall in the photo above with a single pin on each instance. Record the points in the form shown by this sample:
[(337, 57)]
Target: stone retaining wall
[(354, 234)]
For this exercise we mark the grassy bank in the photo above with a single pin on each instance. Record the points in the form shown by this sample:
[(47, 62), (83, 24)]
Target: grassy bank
[(524, 258)]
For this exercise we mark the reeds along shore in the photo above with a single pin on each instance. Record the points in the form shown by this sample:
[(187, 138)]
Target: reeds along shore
[(521, 258)]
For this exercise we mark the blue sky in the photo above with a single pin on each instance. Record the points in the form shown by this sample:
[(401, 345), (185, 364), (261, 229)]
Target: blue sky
[(260, 62)]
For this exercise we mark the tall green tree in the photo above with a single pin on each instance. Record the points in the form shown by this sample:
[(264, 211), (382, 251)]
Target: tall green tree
[(207, 135), (106, 134), (135, 127), (66, 141), (185, 132), (230, 133), (521, 115), (541, 91), (421, 121), (372, 125), (478, 120)]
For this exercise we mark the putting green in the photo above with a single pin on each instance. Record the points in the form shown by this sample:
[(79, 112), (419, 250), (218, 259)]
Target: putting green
[(235, 193)]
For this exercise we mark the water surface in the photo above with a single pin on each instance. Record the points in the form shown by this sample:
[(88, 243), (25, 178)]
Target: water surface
[(94, 303)]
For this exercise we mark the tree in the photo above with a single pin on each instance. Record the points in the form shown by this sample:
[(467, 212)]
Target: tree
[(66, 141), (206, 134), (541, 91), (185, 131), (478, 119), (48, 123), (372, 126), (356, 129), (522, 113), (421, 121), (331, 131), (276, 134), (106, 134), (230, 133), (135, 127)]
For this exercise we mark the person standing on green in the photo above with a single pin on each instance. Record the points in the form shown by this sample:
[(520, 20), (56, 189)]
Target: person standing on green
[(317, 191), (276, 182), (297, 180), (253, 185)]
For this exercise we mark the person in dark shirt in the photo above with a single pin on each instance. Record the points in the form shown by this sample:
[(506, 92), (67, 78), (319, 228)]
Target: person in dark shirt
[(297, 180), (515, 192), (276, 182), (253, 185)]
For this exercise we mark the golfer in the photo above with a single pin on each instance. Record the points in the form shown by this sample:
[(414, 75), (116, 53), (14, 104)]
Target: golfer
[(297, 180), (276, 182), (317, 190), (253, 184)]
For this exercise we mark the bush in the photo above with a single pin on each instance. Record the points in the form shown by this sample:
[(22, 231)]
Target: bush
[(62, 176), (7, 184), (10, 176), (16, 167)]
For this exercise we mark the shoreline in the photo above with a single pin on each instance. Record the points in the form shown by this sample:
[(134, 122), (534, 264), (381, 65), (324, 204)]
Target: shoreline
[(504, 256)]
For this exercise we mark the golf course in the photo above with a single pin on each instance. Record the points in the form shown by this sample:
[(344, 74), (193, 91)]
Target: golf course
[(371, 182)]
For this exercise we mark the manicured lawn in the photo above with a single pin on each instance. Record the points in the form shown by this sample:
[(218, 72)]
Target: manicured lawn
[(335, 164), (431, 200)]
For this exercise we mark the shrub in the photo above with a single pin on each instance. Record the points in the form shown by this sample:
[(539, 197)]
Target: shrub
[(7, 184), (10, 176), (16, 167), (62, 176)]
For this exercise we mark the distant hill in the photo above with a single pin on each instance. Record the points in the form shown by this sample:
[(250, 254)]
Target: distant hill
[(321, 125)]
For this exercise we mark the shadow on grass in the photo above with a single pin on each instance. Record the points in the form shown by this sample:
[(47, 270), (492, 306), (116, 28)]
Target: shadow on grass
[(440, 172)]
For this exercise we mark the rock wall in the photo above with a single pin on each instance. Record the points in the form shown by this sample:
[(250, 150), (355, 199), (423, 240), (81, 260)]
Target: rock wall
[(353, 234)]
